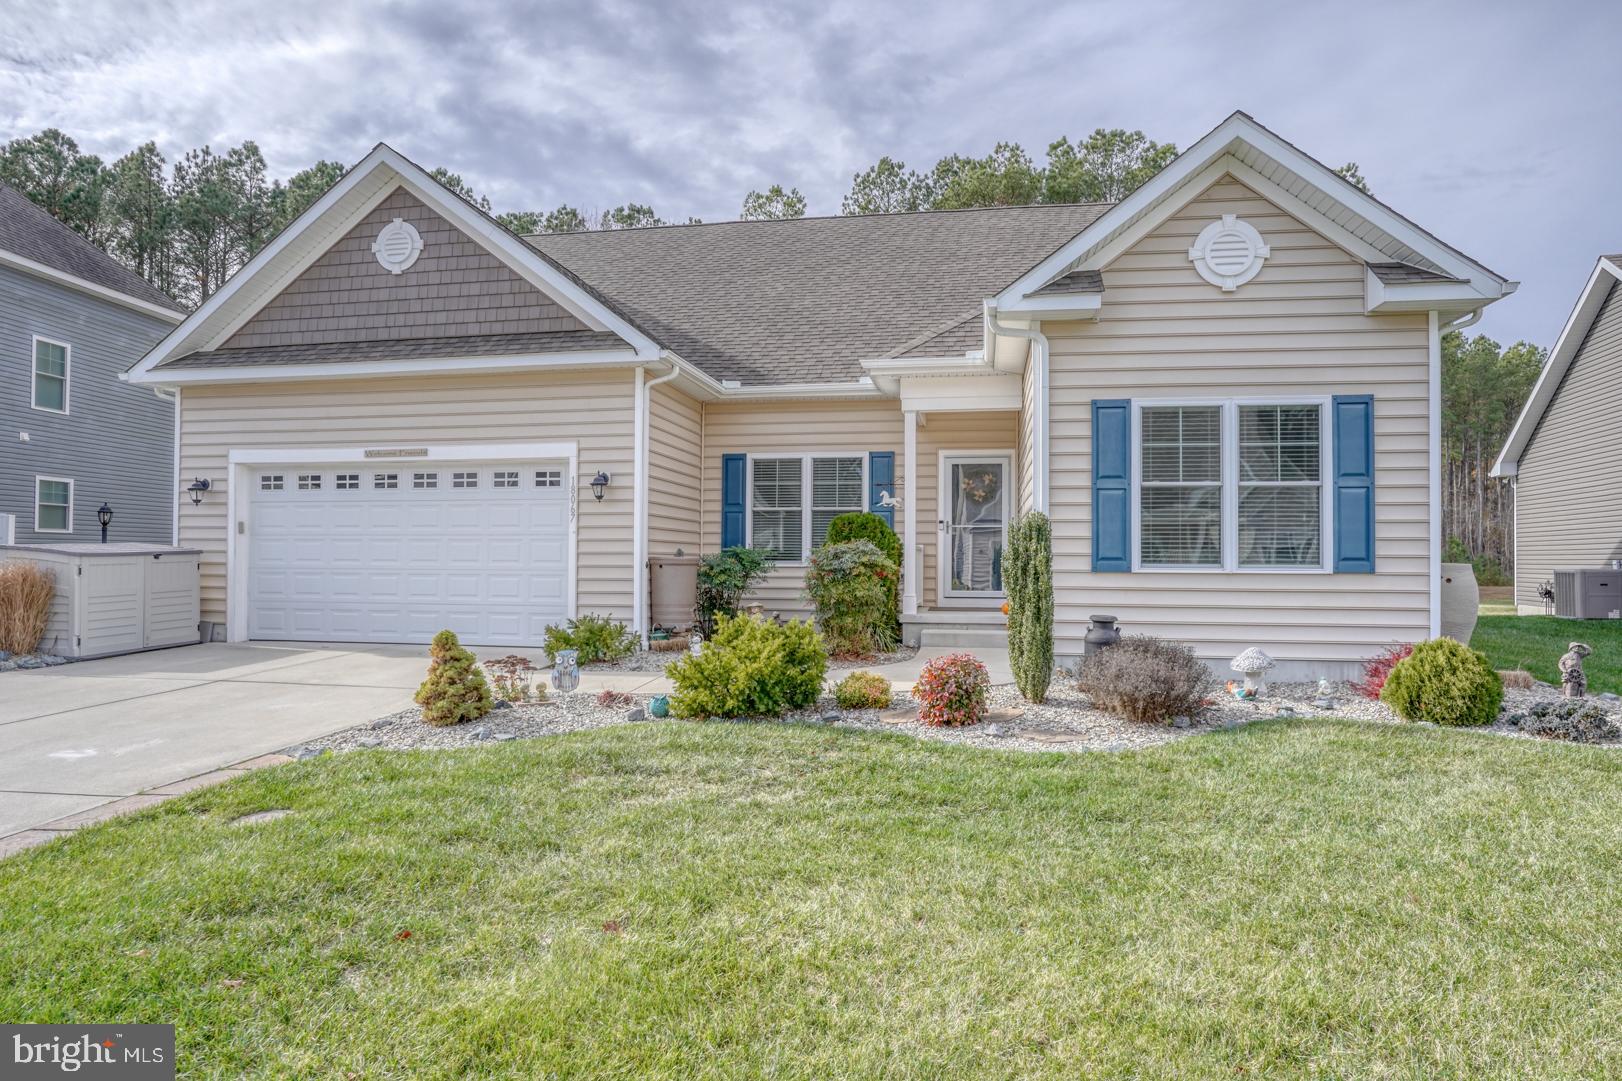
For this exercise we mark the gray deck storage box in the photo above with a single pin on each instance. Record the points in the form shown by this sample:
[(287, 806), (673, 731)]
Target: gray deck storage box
[(116, 598), (1588, 593)]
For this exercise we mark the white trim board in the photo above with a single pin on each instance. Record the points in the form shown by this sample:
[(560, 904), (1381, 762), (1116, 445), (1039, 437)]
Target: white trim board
[(240, 462), (1595, 293)]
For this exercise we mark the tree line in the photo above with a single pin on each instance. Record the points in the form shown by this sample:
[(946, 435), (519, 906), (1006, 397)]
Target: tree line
[(187, 226)]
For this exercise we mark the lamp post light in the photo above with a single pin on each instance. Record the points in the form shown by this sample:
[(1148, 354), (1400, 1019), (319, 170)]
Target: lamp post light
[(599, 485), (105, 516)]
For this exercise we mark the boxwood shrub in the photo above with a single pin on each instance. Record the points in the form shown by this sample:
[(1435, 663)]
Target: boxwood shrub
[(750, 668), (1444, 682)]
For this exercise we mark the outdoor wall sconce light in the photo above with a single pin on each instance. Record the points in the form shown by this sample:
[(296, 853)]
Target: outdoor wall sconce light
[(104, 515), (198, 486), (599, 485)]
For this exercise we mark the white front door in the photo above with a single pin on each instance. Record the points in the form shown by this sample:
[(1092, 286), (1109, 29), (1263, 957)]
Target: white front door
[(975, 499), (396, 552)]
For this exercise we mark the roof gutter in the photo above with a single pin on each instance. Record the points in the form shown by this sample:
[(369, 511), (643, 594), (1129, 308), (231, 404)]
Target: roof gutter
[(1037, 370)]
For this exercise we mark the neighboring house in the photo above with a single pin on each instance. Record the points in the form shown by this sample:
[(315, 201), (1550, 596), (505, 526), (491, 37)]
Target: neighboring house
[(1563, 454), (76, 436), (1223, 390)]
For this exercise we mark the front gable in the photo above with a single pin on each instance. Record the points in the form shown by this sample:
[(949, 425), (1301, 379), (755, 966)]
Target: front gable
[(454, 288), (445, 289)]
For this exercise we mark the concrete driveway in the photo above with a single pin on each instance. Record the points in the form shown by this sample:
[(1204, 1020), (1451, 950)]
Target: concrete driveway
[(81, 735)]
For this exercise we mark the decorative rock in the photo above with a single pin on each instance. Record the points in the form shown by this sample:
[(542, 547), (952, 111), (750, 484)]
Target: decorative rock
[(1043, 736), (1253, 664), (381, 722), (994, 729), (368, 742), (1180, 722), (505, 737), (4, 656), (1004, 716), (302, 753), (831, 716), (481, 732), (636, 713), (502, 703), (7, 666), (1573, 683), (1609, 696), (30, 662), (51, 660)]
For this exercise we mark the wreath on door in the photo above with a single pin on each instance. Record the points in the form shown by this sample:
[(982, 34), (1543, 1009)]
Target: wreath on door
[(981, 485)]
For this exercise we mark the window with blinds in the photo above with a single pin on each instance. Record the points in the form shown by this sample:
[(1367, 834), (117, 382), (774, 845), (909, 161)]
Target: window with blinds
[(1280, 485), (1180, 501), (777, 514), (836, 488), (792, 500)]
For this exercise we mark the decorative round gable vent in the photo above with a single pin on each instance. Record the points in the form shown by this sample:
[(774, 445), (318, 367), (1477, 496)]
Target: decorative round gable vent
[(397, 246), (1229, 253)]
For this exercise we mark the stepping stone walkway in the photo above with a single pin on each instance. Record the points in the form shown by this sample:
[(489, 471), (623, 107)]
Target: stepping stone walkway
[(1043, 735)]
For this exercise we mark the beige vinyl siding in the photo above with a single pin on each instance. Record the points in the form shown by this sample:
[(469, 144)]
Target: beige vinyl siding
[(814, 427), (594, 409), (1568, 492), (984, 430), (1297, 328), (675, 424)]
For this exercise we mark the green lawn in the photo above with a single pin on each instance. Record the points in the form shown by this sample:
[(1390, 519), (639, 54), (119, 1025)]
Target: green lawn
[(1535, 643), (674, 900)]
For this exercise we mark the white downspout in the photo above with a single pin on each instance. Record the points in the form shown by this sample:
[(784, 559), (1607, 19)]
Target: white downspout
[(639, 517), (1434, 424), (1039, 423), (174, 490)]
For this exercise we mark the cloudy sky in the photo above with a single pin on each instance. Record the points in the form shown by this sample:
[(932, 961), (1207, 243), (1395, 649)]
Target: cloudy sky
[(1493, 124)]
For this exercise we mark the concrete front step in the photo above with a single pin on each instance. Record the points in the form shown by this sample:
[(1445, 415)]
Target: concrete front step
[(962, 637)]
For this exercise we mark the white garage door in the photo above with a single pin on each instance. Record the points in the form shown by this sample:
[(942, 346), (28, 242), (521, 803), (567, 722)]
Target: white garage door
[(397, 553)]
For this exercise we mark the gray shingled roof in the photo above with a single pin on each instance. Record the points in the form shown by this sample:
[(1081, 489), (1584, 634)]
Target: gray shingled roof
[(806, 300), (30, 232), (480, 345), (1077, 281), (1403, 274)]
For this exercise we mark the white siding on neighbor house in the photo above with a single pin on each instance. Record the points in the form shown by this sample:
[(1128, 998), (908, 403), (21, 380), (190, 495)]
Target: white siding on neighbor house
[(983, 430), (1297, 328), (593, 409), (1568, 492), (793, 428), (675, 427)]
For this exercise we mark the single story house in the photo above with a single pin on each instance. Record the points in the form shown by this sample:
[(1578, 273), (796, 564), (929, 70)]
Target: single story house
[(76, 436), (1223, 390), (1566, 468)]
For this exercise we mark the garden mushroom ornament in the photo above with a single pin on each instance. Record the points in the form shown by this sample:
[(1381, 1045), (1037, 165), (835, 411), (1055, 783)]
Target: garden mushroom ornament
[(1253, 665)]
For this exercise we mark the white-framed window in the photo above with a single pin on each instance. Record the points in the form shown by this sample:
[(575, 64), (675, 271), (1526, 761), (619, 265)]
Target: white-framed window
[(346, 482), (53, 505), (1231, 484), (309, 482), (51, 361), (549, 478), (385, 480), (465, 480), (504, 478), (792, 498), (425, 480), (272, 482)]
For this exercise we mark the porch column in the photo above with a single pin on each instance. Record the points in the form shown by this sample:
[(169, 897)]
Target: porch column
[(909, 513)]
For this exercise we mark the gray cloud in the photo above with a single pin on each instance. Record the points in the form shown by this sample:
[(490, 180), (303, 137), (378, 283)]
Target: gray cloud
[(1493, 126)]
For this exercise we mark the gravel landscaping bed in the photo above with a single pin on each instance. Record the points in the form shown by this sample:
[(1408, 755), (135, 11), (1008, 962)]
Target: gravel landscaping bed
[(22, 661), (1065, 722), (655, 661)]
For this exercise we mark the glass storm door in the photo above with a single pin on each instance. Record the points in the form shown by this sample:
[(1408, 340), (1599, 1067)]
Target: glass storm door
[(974, 502)]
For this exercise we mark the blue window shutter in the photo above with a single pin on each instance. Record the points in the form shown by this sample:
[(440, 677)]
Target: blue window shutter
[(1112, 485), (734, 478), (881, 479), (1353, 456)]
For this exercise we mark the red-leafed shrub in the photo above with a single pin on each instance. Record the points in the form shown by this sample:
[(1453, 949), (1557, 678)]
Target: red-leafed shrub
[(952, 690), (1377, 669)]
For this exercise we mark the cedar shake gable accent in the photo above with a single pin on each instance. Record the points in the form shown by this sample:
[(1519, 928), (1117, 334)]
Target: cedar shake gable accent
[(456, 288)]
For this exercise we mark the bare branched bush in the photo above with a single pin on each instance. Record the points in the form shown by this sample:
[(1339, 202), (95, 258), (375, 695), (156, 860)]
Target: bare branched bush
[(1142, 678)]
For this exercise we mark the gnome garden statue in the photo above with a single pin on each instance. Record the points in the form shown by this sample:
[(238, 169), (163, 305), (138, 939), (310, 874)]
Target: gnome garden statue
[(1573, 683)]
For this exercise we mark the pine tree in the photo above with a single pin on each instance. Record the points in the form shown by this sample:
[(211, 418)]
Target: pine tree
[(455, 690)]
